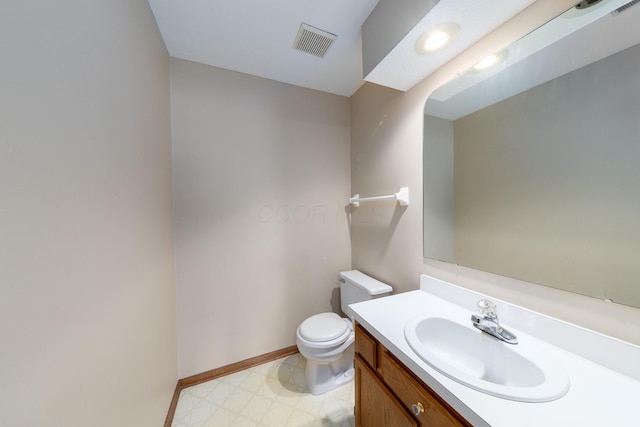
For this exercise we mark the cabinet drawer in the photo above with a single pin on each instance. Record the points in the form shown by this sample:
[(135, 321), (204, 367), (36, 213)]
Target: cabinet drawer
[(410, 392), (366, 346)]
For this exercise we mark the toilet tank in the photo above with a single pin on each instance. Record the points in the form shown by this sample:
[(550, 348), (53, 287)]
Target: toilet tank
[(356, 286)]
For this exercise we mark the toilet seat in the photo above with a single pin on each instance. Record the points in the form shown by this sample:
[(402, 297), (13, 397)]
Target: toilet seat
[(324, 330), (322, 327)]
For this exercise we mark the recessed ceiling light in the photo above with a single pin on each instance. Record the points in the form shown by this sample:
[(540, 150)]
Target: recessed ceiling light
[(437, 38)]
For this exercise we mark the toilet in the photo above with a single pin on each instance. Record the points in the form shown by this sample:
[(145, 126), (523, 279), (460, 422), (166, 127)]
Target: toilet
[(326, 339)]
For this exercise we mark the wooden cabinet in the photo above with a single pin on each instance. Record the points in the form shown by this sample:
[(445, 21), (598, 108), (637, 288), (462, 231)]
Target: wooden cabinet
[(389, 394), (375, 404)]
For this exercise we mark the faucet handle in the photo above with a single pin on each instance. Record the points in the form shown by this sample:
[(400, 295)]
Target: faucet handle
[(488, 309)]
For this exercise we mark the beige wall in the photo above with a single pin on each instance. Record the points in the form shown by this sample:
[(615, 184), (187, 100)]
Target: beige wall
[(87, 299), (386, 130), (261, 180), (385, 155)]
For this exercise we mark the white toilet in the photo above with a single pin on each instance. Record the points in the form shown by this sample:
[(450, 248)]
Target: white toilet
[(326, 339)]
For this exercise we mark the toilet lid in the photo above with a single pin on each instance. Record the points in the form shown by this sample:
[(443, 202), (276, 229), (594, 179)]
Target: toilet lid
[(323, 327)]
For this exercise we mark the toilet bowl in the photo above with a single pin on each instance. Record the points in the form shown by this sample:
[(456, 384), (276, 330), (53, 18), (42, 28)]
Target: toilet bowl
[(330, 361), (326, 340)]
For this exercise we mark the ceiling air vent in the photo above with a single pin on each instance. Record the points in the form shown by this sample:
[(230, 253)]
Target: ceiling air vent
[(312, 40), (625, 7)]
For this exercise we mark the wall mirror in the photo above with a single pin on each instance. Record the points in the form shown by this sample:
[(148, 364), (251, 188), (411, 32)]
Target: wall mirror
[(532, 165)]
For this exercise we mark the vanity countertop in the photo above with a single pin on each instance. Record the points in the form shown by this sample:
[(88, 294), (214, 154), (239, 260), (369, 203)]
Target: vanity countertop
[(598, 396)]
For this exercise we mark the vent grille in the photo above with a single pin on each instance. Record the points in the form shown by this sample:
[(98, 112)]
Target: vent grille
[(624, 7), (313, 40)]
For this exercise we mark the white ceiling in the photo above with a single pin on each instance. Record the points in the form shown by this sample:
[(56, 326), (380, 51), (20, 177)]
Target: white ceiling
[(256, 37)]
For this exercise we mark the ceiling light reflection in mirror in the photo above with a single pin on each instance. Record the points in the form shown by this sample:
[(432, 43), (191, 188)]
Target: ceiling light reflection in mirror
[(545, 37), (491, 61)]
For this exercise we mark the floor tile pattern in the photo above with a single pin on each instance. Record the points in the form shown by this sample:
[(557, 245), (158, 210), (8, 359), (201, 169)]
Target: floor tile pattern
[(269, 395)]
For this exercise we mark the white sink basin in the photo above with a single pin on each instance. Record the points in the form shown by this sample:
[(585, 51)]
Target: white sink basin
[(484, 363)]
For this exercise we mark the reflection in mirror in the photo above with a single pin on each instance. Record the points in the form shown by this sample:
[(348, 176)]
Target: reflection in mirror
[(546, 148)]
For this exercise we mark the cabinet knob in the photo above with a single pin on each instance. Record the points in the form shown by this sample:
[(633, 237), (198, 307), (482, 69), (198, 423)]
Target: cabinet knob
[(417, 408)]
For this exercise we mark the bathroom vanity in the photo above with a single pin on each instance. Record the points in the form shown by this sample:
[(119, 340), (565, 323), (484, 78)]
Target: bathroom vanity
[(387, 390), (397, 385)]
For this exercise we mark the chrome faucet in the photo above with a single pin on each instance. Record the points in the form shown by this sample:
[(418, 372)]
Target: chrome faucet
[(488, 322)]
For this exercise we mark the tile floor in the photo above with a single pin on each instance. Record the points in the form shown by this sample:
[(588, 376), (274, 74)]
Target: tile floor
[(272, 394)]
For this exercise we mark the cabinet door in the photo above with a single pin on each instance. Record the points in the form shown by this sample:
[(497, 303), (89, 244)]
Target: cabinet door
[(366, 346), (411, 394), (375, 405)]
